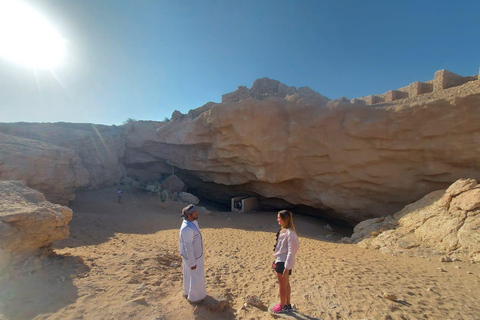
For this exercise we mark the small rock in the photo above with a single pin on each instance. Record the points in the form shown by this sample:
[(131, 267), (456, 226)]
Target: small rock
[(253, 301), (215, 303), (390, 296), (445, 259), (458, 267), (140, 300), (345, 240), (441, 270), (141, 287)]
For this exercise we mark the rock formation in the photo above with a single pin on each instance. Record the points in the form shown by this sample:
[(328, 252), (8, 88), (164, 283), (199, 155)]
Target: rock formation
[(100, 148), (55, 171), (442, 222), (28, 221), (292, 146), (353, 161)]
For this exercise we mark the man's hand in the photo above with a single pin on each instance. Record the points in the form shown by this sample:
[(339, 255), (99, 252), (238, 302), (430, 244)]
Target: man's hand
[(285, 273), (194, 267)]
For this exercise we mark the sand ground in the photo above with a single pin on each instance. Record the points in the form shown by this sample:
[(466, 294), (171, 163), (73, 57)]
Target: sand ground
[(121, 262)]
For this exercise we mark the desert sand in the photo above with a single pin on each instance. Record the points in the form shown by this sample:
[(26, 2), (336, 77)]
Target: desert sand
[(121, 262)]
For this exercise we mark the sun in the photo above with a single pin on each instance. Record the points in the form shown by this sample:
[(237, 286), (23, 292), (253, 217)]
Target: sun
[(27, 38)]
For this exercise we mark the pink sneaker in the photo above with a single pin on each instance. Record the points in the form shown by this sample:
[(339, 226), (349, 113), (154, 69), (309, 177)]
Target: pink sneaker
[(277, 308)]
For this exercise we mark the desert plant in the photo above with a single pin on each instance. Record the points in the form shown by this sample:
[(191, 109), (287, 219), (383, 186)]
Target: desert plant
[(129, 120)]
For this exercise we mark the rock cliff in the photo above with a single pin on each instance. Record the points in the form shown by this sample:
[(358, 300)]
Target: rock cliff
[(55, 171), (353, 161), (100, 148), (290, 146)]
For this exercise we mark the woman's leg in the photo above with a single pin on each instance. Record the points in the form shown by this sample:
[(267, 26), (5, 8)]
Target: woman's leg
[(287, 299), (283, 285)]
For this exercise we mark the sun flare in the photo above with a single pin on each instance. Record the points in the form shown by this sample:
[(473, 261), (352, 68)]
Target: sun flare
[(27, 38)]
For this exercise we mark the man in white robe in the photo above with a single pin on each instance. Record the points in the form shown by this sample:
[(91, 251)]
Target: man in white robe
[(191, 249)]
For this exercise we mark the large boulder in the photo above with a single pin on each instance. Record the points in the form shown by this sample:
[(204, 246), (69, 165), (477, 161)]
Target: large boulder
[(55, 171), (27, 221), (99, 147), (188, 198), (442, 222), (173, 184)]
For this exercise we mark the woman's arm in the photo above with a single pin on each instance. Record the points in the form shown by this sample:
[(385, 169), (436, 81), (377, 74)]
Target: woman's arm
[(293, 246)]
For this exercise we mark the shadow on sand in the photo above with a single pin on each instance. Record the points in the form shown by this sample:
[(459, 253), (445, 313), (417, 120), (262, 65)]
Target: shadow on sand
[(97, 216), (39, 285)]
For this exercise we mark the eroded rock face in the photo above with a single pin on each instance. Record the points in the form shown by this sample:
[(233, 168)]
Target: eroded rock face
[(100, 148), (55, 171), (289, 147), (442, 222), (27, 220), (355, 162)]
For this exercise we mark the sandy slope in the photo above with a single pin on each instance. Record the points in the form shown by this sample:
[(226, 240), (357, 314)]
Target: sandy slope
[(121, 262)]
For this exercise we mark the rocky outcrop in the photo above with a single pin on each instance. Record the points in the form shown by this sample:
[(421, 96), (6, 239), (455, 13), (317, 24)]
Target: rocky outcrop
[(265, 88), (55, 171), (27, 221), (354, 162), (144, 158), (442, 222), (100, 148), (290, 146)]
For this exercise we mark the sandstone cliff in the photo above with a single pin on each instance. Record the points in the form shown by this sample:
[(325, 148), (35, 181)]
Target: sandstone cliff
[(55, 171), (100, 148), (442, 222), (288, 146), (28, 221), (352, 161)]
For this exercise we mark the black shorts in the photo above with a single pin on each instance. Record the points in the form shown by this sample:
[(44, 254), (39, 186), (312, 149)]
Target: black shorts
[(280, 266)]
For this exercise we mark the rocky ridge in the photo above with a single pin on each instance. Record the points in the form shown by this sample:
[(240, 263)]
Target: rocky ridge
[(100, 148), (352, 161), (290, 146), (53, 170)]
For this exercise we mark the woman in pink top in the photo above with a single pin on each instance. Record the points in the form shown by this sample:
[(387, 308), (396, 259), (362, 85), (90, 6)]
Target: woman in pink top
[(285, 251)]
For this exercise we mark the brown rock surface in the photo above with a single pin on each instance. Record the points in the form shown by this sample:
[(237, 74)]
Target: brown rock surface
[(442, 222), (353, 161), (144, 159), (55, 171), (27, 220), (100, 148), (290, 147)]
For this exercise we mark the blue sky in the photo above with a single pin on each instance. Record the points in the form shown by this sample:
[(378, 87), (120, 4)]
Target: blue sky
[(145, 59)]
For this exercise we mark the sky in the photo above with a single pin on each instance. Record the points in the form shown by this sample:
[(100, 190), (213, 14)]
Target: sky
[(144, 59)]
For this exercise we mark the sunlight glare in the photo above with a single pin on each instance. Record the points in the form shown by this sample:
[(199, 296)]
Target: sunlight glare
[(28, 38)]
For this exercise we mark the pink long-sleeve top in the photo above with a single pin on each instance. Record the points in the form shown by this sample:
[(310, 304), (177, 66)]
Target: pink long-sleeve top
[(287, 247)]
